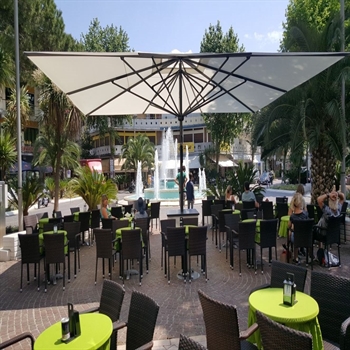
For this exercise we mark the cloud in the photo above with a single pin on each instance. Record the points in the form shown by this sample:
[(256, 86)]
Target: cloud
[(259, 37), (274, 36)]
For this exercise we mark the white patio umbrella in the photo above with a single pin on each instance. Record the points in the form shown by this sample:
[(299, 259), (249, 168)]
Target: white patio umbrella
[(178, 84)]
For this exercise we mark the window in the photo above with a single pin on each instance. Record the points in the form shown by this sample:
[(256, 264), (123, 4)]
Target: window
[(198, 138)]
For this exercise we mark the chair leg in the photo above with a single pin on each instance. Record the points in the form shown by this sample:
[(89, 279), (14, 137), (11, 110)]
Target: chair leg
[(239, 261), (168, 272), (68, 256), (75, 262), (46, 275), (96, 270), (38, 275), (20, 289), (28, 281), (262, 263), (189, 269), (64, 275), (165, 263)]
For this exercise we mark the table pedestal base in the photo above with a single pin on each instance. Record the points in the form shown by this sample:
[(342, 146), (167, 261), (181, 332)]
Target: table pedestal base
[(194, 275)]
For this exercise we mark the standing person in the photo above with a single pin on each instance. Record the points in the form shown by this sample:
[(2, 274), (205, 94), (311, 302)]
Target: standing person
[(190, 192), (105, 212), (177, 179), (248, 195), (297, 214)]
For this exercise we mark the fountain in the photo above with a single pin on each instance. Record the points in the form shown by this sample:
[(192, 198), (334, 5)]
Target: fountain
[(165, 171)]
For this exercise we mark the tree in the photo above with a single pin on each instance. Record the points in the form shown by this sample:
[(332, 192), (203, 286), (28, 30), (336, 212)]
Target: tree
[(138, 149), (91, 185), (41, 28), (61, 124), (7, 71), (108, 39), (224, 128), (8, 154), (10, 120)]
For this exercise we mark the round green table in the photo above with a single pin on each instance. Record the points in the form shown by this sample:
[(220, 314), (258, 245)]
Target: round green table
[(96, 330), (301, 316), (282, 231)]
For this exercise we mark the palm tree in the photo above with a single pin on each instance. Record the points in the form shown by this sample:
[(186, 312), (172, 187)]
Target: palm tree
[(7, 69), (138, 149), (61, 124), (91, 185), (8, 154), (10, 120)]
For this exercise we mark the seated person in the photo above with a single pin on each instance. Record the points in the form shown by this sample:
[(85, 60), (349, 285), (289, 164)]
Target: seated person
[(300, 189), (105, 212), (229, 195), (248, 195), (141, 213), (297, 214)]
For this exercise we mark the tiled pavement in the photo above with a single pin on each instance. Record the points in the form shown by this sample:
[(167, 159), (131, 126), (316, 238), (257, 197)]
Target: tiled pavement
[(180, 310)]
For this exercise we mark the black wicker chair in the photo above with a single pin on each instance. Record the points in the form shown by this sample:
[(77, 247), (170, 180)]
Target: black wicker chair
[(231, 224), (128, 208), (164, 224), (30, 254), (311, 211), (104, 249), (31, 224), (175, 246), (221, 325), (55, 254), (282, 200), (186, 343), (190, 221), (215, 209), (281, 210), (197, 246), (246, 241), (84, 219), (73, 235), (117, 212), (343, 212), (268, 234), (74, 210), (248, 214), (142, 318), (303, 237), (17, 339), (278, 275), (332, 294), (275, 336), (248, 204), (68, 218), (111, 301), (143, 224), (267, 210), (95, 222), (155, 210), (131, 248)]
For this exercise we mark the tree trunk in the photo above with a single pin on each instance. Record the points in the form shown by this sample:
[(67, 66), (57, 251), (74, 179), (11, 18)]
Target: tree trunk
[(57, 182), (322, 172)]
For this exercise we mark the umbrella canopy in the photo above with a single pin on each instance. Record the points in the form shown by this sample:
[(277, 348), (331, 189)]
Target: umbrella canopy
[(178, 84), (26, 166)]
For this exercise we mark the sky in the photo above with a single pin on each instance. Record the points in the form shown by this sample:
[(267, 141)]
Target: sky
[(168, 25)]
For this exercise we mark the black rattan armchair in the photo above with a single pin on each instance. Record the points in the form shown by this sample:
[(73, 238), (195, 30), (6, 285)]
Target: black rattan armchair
[(17, 339), (186, 343)]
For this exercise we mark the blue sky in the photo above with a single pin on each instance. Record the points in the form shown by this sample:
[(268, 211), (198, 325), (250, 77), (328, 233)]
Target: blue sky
[(167, 25)]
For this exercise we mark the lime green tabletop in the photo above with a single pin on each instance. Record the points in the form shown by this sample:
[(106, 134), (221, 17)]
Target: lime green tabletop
[(42, 222), (96, 330), (301, 316), (236, 211), (41, 238), (127, 218), (282, 232)]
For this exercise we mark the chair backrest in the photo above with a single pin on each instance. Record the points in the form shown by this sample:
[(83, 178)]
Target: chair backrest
[(206, 204), (95, 218), (143, 313), (333, 229), (279, 273), (215, 208), (164, 224), (175, 242), (48, 226), (220, 201), (197, 240), (103, 240), (210, 198), (267, 209), (117, 212), (246, 237), (128, 208), (221, 323), (239, 206), (190, 221), (74, 210), (281, 200), (68, 218), (155, 208), (259, 197), (248, 214), (186, 343), (30, 250), (31, 222), (73, 229), (311, 211), (248, 205), (268, 233), (303, 233), (232, 220), (344, 207), (275, 336), (55, 221), (107, 223), (142, 223), (131, 244), (281, 209), (319, 212), (58, 214), (54, 248), (116, 224), (111, 301), (332, 294), (42, 215), (84, 218)]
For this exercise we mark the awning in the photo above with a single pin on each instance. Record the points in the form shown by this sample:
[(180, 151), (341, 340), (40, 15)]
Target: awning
[(224, 161), (194, 162)]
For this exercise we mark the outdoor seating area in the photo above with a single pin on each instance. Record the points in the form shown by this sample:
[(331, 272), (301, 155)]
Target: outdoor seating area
[(223, 279)]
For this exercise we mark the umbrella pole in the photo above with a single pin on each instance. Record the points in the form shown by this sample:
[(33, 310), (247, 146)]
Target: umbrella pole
[(181, 163)]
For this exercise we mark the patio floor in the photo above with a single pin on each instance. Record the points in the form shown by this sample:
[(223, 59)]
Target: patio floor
[(180, 310)]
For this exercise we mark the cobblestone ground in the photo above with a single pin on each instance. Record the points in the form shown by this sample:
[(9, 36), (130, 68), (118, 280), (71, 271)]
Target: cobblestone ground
[(180, 310)]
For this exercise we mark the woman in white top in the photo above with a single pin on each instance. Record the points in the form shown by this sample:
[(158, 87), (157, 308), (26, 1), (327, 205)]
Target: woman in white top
[(228, 194)]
